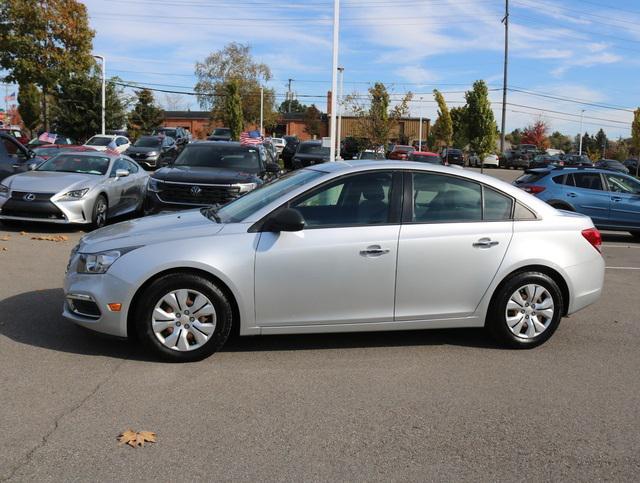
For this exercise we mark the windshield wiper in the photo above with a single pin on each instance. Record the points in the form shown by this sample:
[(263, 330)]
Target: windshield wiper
[(212, 212)]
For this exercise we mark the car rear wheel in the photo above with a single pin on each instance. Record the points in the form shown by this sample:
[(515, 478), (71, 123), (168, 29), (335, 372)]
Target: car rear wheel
[(183, 317), (99, 217), (526, 310)]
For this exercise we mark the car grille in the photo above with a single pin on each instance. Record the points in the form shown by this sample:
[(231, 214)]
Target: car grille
[(40, 209), (19, 195), (197, 194)]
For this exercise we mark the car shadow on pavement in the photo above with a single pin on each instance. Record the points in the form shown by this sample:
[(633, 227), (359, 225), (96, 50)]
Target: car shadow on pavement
[(619, 237), (34, 318)]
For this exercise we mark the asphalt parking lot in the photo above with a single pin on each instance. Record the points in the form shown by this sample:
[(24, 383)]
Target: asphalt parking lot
[(445, 404)]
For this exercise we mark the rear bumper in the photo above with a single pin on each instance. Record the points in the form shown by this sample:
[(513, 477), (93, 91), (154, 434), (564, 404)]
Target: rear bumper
[(586, 282)]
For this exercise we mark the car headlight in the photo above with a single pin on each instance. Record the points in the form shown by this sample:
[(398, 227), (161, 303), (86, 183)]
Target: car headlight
[(152, 154), (246, 187), (73, 195), (4, 190), (96, 263), (153, 185)]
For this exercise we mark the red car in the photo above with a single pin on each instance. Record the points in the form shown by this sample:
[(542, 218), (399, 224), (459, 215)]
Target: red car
[(426, 157), (46, 151), (401, 152), (16, 133)]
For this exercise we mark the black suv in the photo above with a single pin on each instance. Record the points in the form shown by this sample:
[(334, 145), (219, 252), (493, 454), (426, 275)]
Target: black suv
[(14, 157), (180, 135), (153, 151), (209, 173), (220, 134), (289, 150), (308, 153), (452, 156)]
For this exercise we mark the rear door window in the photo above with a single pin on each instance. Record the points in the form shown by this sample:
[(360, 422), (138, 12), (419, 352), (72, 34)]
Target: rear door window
[(590, 181)]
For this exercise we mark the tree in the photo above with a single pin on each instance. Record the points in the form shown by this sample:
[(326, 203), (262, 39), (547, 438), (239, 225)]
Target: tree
[(234, 63), (482, 128), (78, 110), (232, 115), (29, 106), (292, 105), (377, 122), (514, 137), (146, 116), (536, 133), (601, 141), (312, 121), (443, 127), (557, 140), (635, 136), (460, 127), (43, 42)]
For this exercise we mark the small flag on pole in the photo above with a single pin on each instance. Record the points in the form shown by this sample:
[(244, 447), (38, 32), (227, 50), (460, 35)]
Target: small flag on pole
[(11, 97), (250, 138), (46, 137)]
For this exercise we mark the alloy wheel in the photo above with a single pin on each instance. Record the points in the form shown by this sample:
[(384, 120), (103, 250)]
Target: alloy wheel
[(529, 311), (101, 212), (183, 320)]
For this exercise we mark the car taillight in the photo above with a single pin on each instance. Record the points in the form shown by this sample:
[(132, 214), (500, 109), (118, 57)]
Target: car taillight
[(594, 237), (534, 189)]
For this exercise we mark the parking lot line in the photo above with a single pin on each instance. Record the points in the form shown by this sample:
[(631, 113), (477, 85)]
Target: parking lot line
[(623, 268)]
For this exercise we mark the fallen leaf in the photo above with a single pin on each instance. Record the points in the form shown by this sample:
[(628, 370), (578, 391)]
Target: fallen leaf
[(5, 238), (133, 438), (4, 249), (57, 238), (23, 233)]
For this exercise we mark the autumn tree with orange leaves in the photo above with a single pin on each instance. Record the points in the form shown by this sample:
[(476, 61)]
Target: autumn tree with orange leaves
[(536, 133)]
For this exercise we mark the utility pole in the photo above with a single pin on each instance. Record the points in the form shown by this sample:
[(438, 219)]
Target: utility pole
[(104, 69), (289, 96), (334, 78), (420, 128), (580, 148), (339, 101), (505, 20), (261, 111)]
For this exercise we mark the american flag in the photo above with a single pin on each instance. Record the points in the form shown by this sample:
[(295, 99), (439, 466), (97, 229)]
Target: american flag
[(47, 137), (250, 138), (11, 97), (112, 147)]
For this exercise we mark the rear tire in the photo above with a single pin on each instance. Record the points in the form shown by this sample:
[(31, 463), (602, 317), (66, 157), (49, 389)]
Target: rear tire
[(525, 311), (170, 330)]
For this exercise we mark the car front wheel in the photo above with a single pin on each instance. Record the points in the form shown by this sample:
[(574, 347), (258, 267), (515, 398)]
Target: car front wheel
[(526, 310), (183, 317), (99, 218)]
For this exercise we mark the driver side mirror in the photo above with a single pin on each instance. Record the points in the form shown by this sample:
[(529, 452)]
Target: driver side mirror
[(286, 219), (122, 173), (272, 168)]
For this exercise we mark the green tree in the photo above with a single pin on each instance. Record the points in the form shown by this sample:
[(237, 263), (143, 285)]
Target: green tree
[(377, 122), (601, 141), (514, 137), (29, 106), (635, 136), (482, 128), (312, 122), (235, 63), (146, 116), (460, 127), (292, 105), (44, 42), (232, 115), (557, 140), (443, 127), (78, 110)]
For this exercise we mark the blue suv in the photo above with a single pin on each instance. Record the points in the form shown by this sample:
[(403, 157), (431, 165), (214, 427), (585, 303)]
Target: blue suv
[(611, 199)]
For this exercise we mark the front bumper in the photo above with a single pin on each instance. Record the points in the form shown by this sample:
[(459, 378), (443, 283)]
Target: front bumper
[(47, 210), (98, 290)]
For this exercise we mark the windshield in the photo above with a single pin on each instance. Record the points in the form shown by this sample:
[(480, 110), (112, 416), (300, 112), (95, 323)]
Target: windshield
[(370, 155), (255, 200), (147, 142), (221, 131), (70, 163), (425, 158), (215, 156), (99, 141), (309, 148), (46, 151)]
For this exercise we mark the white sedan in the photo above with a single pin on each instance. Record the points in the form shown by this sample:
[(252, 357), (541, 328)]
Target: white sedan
[(101, 142), (490, 160), (340, 247)]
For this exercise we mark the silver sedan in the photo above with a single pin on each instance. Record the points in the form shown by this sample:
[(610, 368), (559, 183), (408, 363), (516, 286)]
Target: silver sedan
[(339, 247), (75, 187)]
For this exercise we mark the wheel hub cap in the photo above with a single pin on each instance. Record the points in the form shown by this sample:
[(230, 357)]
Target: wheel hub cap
[(529, 311)]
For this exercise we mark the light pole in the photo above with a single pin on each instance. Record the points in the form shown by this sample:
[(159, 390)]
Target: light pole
[(334, 78), (339, 102), (261, 111), (104, 69), (420, 128), (580, 148)]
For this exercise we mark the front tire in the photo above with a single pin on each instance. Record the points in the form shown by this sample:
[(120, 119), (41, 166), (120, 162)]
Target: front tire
[(99, 216), (635, 234), (526, 310), (183, 317)]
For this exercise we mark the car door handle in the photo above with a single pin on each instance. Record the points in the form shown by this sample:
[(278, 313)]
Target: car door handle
[(485, 243), (616, 198), (373, 251), (571, 195)]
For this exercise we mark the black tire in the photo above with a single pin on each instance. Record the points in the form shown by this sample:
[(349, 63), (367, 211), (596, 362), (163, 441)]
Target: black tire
[(146, 304), (99, 214), (497, 314), (635, 234)]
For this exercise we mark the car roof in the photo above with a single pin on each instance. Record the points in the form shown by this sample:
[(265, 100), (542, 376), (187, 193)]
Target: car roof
[(425, 153), (225, 144)]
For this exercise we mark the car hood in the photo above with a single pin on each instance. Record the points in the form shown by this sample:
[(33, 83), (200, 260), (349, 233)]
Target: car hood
[(51, 181), (137, 149), (149, 230), (197, 174)]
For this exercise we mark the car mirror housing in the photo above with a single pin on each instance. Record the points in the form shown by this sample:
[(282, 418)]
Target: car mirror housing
[(286, 219), (122, 173)]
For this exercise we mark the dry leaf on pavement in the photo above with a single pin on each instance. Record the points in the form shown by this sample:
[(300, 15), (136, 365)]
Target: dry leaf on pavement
[(133, 438), (57, 238), (23, 233), (4, 238), (4, 249)]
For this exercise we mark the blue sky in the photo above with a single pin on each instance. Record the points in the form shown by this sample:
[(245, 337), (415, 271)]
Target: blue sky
[(586, 50)]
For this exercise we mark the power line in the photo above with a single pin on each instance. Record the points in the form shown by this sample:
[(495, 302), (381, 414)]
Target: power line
[(566, 99)]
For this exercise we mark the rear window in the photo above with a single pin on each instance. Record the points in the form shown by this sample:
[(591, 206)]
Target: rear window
[(530, 178)]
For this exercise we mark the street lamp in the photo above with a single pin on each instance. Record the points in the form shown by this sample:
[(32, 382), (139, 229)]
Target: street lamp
[(339, 102), (420, 128), (334, 78), (580, 148), (261, 111), (104, 68)]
